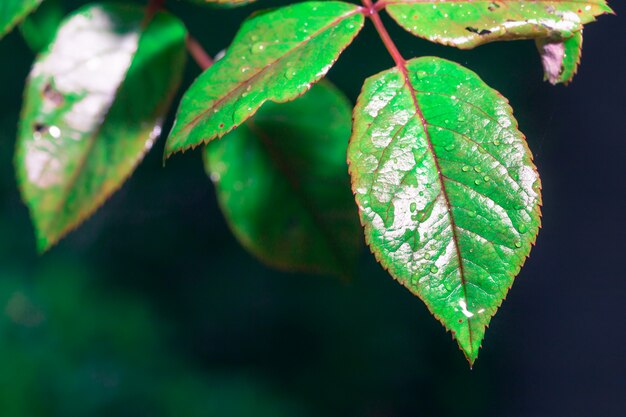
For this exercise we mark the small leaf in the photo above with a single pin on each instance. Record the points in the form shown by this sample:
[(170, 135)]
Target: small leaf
[(282, 182), (469, 23), (94, 104), (276, 56), (13, 12), (446, 188), (560, 59), (39, 28)]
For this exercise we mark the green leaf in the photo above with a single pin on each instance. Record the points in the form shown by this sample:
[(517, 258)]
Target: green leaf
[(39, 28), (223, 3), (282, 182), (446, 189), (14, 11), (560, 59), (94, 104), (469, 23), (276, 56)]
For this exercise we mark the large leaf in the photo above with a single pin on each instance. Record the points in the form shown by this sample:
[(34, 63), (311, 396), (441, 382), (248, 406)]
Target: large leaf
[(560, 59), (469, 23), (94, 104), (282, 182), (446, 188), (13, 11), (276, 56)]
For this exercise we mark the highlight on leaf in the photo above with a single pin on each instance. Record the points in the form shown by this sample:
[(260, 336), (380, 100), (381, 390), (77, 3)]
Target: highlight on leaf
[(560, 59), (94, 104), (469, 23), (282, 183), (446, 189), (275, 56)]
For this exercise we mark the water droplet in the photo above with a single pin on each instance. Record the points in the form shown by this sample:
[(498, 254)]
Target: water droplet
[(518, 244), (486, 178), (413, 206), (245, 69), (496, 143), (450, 147), (466, 168), (477, 168), (523, 228), (472, 213), (258, 47), (427, 256), (434, 269), (478, 182)]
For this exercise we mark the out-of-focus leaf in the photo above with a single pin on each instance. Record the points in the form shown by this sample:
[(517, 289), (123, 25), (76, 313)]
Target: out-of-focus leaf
[(94, 104), (282, 182), (469, 23), (560, 60), (276, 56), (14, 11), (39, 28), (446, 188)]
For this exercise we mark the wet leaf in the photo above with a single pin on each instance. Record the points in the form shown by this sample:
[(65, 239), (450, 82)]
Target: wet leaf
[(13, 12), (560, 60), (276, 56), (282, 182), (39, 28), (446, 188), (94, 104), (469, 23)]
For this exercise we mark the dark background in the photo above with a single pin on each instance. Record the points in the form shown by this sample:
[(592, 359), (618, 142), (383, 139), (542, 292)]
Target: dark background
[(152, 308)]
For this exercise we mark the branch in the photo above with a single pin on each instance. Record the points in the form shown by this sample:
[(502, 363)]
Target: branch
[(202, 58)]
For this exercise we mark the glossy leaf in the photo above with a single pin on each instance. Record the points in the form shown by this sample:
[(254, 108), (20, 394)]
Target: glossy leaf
[(469, 23), (282, 182), (560, 59), (276, 56), (13, 12), (94, 104), (446, 188), (39, 28)]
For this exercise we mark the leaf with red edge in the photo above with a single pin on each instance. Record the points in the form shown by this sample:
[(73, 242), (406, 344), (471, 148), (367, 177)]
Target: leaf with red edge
[(446, 189)]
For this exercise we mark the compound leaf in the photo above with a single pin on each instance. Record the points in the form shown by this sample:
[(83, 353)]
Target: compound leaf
[(276, 56), (282, 182), (13, 12), (94, 104), (446, 189), (560, 60), (469, 23)]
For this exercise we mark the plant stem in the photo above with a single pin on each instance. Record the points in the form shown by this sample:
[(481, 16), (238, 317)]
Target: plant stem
[(202, 58), (371, 11)]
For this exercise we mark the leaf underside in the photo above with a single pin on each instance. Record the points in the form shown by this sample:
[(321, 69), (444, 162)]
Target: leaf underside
[(446, 189), (94, 104), (469, 23), (276, 56), (560, 60), (14, 11), (282, 183)]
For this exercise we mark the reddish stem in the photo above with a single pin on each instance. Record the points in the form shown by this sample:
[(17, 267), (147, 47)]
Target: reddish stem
[(371, 10), (151, 9), (202, 58)]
